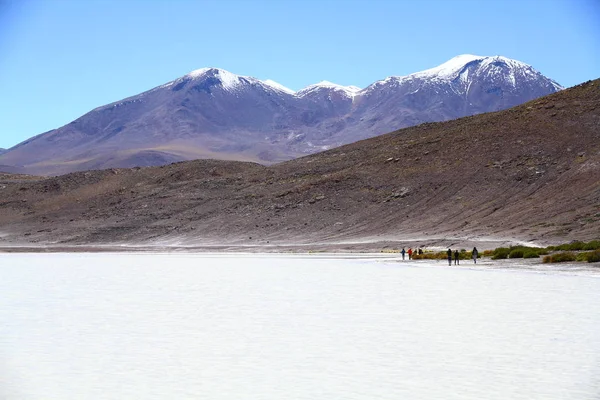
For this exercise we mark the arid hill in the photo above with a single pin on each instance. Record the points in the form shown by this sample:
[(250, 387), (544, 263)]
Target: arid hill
[(530, 173)]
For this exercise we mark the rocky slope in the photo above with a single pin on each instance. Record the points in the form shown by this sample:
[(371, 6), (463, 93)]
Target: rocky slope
[(211, 113), (530, 173)]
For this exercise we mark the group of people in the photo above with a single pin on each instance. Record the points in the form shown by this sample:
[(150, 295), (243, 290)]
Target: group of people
[(410, 252), (474, 254)]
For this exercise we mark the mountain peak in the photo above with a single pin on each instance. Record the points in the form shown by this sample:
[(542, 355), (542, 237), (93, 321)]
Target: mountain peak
[(466, 67), (449, 68), (228, 80), (349, 90), (456, 65)]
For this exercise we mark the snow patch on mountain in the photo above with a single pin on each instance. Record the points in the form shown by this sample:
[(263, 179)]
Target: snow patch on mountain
[(199, 72), (459, 69), (449, 69), (228, 80), (350, 91), (278, 86)]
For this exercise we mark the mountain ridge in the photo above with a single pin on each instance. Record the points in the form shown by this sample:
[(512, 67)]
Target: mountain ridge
[(213, 113)]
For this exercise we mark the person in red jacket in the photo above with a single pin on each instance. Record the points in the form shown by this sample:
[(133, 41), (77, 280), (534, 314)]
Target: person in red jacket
[(410, 254)]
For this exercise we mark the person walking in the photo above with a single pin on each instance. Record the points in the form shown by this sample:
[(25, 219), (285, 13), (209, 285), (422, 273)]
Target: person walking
[(449, 257), (403, 253), (410, 253), (475, 254), (456, 255)]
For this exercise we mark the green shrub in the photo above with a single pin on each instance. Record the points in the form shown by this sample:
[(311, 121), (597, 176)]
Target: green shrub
[(565, 256), (576, 246), (581, 257), (516, 253), (562, 247), (531, 254), (593, 245), (592, 256), (440, 255), (500, 253), (542, 251)]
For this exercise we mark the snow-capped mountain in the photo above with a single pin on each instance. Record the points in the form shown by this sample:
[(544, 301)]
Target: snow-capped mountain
[(349, 91), (213, 113)]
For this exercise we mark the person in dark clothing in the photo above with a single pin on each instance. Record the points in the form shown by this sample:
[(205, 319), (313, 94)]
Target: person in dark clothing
[(420, 251), (449, 257), (456, 255), (403, 253), (475, 254)]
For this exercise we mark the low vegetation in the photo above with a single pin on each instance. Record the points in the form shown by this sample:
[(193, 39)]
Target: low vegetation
[(532, 253), (564, 256), (517, 252), (576, 246), (442, 255), (568, 252), (589, 256), (561, 253)]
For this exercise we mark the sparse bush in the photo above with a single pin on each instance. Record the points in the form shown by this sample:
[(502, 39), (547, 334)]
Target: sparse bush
[(576, 246), (593, 245), (592, 256), (530, 253), (440, 255), (487, 253), (542, 251), (501, 253), (516, 253), (565, 256)]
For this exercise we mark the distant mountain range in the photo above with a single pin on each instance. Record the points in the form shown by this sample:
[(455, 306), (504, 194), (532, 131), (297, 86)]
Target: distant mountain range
[(212, 113)]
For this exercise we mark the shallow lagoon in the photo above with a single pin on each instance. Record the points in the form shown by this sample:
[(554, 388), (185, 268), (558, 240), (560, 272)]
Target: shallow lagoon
[(151, 326)]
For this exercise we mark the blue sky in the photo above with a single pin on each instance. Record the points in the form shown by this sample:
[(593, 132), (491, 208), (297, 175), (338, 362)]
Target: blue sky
[(60, 59)]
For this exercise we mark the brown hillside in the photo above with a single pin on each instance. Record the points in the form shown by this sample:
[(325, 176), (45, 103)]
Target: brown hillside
[(530, 173)]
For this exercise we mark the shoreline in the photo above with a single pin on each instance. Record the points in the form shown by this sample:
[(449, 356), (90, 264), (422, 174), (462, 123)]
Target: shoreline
[(483, 264), (365, 245)]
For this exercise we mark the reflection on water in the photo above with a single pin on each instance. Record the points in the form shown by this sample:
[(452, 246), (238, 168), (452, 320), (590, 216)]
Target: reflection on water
[(222, 327)]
